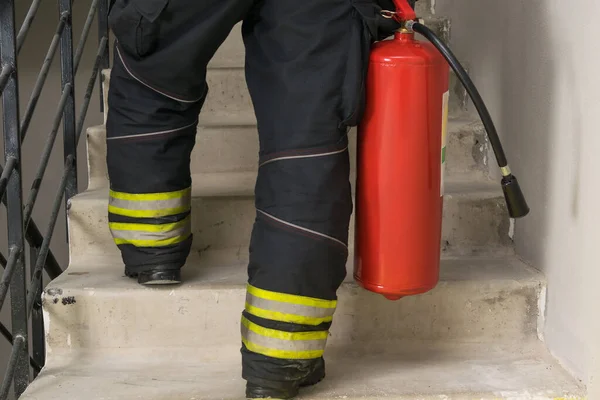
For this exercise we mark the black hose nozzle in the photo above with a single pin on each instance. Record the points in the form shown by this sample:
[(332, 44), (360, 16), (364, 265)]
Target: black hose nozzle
[(515, 200)]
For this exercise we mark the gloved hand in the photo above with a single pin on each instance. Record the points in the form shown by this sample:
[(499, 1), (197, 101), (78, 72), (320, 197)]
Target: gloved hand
[(386, 26)]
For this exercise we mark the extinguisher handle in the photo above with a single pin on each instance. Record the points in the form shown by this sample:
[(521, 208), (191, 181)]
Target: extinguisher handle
[(404, 12)]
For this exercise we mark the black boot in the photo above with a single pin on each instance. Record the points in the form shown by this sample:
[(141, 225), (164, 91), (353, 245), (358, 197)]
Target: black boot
[(285, 390), (155, 275)]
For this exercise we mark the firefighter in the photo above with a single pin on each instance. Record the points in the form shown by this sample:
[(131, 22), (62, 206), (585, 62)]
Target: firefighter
[(306, 62)]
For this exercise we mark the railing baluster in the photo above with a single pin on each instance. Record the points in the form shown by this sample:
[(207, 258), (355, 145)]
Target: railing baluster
[(6, 333), (8, 336), (4, 75), (35, 4), (8, 274), (84, 35), (34, 238), (37, 181), (12, 371), (41, 80), (10, 166), (39, 265), (38, 339), (69, 132), (103, 9), (90, 88), (14, 201)]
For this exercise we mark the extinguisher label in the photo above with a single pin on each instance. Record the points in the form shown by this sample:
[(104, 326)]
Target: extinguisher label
[(445, 103)]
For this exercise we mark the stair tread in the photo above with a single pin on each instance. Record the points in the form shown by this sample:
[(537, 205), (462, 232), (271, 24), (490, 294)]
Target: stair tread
[(229, 119), (419, 371), (211, 271), (242, 183)]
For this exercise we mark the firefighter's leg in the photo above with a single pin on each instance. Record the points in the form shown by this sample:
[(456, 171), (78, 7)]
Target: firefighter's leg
[(157, 89), (306, 64)]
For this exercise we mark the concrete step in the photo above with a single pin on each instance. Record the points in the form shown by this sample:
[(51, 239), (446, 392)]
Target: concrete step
[(229, 103), (478, 300), (475, 219), (420, 372), (235, 149)]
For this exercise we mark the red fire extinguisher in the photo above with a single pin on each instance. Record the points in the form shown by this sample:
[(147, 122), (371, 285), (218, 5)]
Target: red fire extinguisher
[(401, 157)]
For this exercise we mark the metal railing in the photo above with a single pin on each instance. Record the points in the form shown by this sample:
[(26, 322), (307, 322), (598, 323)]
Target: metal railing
[(25, 285)]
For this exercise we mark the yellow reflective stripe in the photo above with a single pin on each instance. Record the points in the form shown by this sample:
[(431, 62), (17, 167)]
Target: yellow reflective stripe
[(150, 196), (281, 335), (152, 243), (286, 354), (165, 212), (125, 226), (149, 205), (280, 344), (291, 298), (285, 317)]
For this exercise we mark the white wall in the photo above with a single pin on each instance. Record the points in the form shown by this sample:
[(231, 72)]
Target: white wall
[(536, 64), (30, 61)]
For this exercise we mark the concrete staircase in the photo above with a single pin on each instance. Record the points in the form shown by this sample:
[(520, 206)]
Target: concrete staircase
[(476, 336)]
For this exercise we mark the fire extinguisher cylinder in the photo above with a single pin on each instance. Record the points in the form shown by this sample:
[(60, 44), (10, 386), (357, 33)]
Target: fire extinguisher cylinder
[(401, 156), (401, 153)]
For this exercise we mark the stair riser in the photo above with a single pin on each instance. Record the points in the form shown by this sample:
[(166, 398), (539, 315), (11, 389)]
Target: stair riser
[(225, 149), (461, 312), (232, 149), (226, 222)]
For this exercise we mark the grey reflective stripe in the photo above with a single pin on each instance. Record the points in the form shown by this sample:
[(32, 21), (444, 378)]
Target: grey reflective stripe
[(329, 153), (281, 344), (289, 308), (301, 228), (185, 201), (142, 235), (140, 135), (151, 87)]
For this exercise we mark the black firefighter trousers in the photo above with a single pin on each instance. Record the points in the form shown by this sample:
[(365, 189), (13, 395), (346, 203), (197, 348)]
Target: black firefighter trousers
[(305, 68)]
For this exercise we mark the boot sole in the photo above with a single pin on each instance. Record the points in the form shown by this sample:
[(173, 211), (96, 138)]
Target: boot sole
[(156, 277)]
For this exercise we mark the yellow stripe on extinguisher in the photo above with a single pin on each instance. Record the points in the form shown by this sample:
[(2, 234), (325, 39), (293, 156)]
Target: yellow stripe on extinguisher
[(446, 100)]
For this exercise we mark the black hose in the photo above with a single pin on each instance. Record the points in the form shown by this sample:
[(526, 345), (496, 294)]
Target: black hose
[(471, 89), (515, 200)]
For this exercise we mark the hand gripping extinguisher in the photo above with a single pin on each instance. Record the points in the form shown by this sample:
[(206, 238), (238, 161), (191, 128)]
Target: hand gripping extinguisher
[(401, 157)]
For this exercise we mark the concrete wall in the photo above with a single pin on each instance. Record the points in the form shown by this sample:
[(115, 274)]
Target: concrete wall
[(535, 63), (30, 61)]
